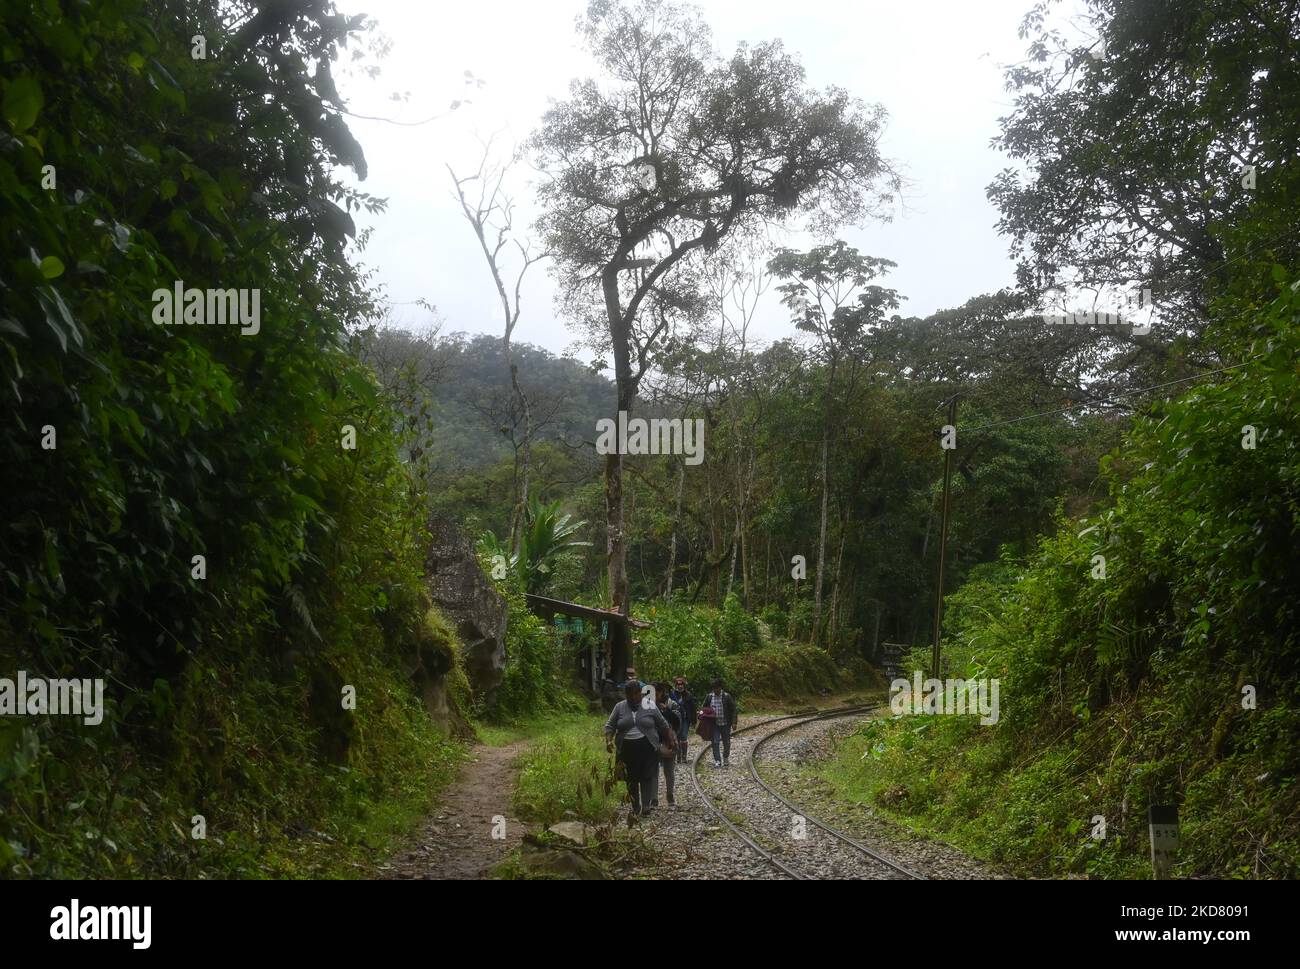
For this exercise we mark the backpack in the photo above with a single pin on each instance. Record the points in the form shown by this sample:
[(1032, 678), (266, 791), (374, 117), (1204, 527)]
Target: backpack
[(707, 724)]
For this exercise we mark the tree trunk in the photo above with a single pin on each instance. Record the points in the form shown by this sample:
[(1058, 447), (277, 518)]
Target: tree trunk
[(715, 544), (672, 548), (742, 502), (616, 546), (925, 547), (765, 596), (821, 538), (625, 384), (517, 520), (740, 511), (833, 622), (735, 551), (746, 566)]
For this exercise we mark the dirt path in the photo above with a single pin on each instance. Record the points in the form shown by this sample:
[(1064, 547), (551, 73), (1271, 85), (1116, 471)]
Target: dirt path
[(457, 841)]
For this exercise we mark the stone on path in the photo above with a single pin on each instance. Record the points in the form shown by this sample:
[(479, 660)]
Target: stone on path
[(574, 831)]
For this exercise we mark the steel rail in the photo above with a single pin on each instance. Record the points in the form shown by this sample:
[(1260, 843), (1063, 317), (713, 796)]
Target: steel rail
[(735, 829), (833, 832)]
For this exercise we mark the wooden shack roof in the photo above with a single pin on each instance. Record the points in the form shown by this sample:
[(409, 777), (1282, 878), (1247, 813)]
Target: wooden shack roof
[(585, 612)]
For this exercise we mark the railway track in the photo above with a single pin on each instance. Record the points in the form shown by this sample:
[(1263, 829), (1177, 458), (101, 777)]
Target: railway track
[(879, 864)]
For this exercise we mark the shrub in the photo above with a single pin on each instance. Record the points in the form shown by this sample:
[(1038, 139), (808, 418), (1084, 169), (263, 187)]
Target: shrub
[(537, 675), (737, 631), (567, 770), (680, 643)]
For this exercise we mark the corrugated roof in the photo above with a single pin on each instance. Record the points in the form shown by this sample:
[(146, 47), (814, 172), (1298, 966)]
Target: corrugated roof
[(587, 612)]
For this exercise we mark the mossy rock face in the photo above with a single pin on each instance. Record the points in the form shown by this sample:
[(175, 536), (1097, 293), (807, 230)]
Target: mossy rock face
[(434, 665), (435, 643), (467, 598)]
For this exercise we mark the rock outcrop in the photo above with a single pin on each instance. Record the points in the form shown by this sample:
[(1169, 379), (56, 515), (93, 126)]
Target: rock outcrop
[(429, 661), (465, 596)]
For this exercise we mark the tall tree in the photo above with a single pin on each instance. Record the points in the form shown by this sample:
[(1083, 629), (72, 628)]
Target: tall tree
[(1146, 145), (490, 212), (674, 149), (830, 292)]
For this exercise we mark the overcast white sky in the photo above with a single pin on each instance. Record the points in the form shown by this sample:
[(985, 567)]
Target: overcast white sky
[(934, 64)]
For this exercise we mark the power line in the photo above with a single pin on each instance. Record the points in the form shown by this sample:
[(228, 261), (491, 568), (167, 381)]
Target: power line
[(1112, 400), (1214, 269), (394, 121)]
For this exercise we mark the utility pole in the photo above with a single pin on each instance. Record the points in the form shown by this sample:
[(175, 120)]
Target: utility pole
[(943, 535)]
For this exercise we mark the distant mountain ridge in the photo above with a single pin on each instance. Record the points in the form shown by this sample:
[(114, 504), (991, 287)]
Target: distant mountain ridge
[(472, 399)]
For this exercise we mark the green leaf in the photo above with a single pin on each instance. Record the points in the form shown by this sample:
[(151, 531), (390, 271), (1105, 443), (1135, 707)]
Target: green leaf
[(168, 189), (52, 561), (51, 267), (52, 319), (22, 102), (56, 313)]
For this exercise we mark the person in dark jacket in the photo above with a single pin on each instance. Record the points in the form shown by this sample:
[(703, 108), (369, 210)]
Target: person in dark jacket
[(724, 712), (637, 731), (672, 713), (689, 712)]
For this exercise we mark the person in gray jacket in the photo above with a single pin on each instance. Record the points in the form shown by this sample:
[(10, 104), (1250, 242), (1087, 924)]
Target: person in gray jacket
[(637, 731)]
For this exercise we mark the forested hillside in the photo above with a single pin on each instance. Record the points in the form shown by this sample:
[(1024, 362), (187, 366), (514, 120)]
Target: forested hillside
[(473, 425)]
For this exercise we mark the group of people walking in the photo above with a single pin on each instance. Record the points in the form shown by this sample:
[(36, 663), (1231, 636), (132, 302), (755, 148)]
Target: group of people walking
[(650, 729)]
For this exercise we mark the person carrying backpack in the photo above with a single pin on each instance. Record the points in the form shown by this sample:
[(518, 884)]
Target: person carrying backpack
[(636, 729), (668, 762), (724, 721), (685, 701)]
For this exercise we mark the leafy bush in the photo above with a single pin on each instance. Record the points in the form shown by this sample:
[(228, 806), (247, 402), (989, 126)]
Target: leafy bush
[(737, 630), (545, 546), (775, 618), (687, 641), (786, 671), (799, 619), (682, 642), (537, 672)]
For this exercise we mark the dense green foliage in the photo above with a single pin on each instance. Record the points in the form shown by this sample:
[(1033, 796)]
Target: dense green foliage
[(476, 424), (459, 388), (1169, 672), (1133, 133), (699, 643), (228, 527), (536, 677), (763, 460), (546, 545), (1173, 679), (224, 689)]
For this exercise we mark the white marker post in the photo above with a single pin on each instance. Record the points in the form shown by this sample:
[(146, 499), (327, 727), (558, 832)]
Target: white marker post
[(1163, 821)]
